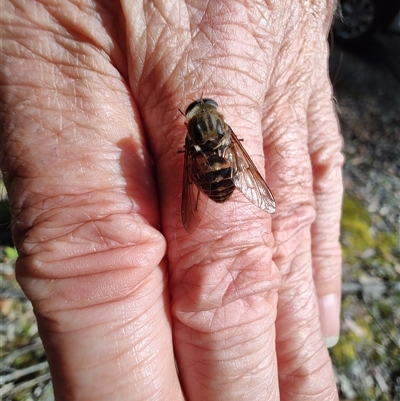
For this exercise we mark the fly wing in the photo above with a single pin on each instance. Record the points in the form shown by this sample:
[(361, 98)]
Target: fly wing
[(248, 180), (194, 201)]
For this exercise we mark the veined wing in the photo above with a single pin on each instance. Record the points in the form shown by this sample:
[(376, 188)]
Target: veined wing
[(248, 180), (194, 201)]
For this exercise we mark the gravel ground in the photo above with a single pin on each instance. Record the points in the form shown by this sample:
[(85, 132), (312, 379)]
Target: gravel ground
[(367, 358), (367, 89), (368, 98)]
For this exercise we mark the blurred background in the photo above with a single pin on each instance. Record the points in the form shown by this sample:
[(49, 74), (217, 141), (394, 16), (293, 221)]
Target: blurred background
[(365, 74)]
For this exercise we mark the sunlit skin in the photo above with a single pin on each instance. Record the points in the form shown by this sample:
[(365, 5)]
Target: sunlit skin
[(91, 146)]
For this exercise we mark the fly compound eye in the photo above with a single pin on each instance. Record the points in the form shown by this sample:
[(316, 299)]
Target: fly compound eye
[(199, 103), (210, 102), (192, 106)]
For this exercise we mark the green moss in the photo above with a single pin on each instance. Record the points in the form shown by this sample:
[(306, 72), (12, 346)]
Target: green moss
[(344, 353), (352, 342), (385, 242), (385, 310), (365, 324), (24, 360), (10, 253), (356, 223), (353, 209), (357, 237)]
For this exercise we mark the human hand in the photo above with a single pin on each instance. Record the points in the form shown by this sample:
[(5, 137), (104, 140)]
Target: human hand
[(91, 90)]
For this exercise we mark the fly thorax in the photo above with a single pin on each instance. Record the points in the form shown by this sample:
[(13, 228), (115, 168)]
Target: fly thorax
[(206, 130)]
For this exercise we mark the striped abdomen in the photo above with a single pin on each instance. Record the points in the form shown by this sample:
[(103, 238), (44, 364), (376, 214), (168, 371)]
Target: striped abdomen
[(216, 179)]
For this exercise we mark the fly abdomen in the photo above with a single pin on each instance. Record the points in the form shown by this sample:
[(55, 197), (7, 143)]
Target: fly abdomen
[(217, 182), (220, 191)]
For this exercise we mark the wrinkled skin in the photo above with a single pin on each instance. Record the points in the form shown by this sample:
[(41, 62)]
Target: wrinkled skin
[(123, 295)]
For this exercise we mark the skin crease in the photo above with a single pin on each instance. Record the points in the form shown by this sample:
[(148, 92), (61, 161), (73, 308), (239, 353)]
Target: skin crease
[(90, 140)]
